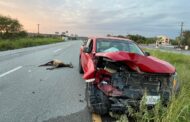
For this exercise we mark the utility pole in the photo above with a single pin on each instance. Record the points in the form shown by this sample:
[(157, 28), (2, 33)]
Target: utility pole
[(181, 34), (181, 29), (38, 28)]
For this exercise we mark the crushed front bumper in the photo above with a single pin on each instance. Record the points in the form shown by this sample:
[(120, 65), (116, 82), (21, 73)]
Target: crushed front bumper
[(121, 105)]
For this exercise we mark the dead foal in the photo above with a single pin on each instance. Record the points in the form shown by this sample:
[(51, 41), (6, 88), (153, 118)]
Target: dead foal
[(56, 64)]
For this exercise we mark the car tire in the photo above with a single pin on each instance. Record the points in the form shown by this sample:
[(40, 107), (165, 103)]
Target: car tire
[(80, 67), (88, 95), (97, 102)]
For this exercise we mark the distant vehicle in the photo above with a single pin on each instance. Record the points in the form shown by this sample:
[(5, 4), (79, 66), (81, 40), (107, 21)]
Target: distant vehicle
[(118, 73)]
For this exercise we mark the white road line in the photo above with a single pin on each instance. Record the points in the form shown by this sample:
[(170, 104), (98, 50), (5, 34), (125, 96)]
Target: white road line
[(67, 46), (55, 51), (10, 71)]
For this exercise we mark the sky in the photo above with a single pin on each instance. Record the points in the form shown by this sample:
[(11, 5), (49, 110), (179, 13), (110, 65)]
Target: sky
[(101, 17)]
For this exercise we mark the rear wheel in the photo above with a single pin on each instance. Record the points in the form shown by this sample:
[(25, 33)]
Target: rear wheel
[(97, 102), (80, 67)]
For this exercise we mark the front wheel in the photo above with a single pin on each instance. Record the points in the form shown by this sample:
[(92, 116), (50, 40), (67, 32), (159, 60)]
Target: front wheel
[(97, 102)]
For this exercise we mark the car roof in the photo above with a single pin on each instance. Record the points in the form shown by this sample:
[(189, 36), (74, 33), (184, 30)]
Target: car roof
[(116, 38)]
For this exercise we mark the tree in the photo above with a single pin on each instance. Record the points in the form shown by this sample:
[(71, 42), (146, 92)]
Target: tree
[(108, 35), (63, 33), (121, 36), (186, 38), (175, 41), (9, 27), (56, 33), (137, 38)]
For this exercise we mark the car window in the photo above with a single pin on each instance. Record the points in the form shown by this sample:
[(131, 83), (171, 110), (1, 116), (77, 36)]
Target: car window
[(110, 45), (102, 45), (89, 44), (135, 49)]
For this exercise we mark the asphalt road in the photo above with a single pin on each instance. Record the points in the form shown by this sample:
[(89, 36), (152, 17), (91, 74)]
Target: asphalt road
[(29, 93), (166, 49)]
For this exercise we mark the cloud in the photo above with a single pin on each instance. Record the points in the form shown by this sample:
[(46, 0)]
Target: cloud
[(99, 17)]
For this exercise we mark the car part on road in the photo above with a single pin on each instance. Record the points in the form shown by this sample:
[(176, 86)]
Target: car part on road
[(102, 118), (96, 118)]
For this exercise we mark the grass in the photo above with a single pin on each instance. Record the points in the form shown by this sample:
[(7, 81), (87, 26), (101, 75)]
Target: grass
[(26, 42), (179, 109)]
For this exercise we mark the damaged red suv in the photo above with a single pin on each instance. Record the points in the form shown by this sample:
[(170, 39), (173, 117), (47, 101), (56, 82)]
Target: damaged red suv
[(118, 73)]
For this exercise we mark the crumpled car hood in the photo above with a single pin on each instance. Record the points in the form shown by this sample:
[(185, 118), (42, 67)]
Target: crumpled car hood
[(147, 64)]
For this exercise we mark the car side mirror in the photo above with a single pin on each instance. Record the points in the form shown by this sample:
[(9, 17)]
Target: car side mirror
[(147, 53), (86, 50), (84, 42)]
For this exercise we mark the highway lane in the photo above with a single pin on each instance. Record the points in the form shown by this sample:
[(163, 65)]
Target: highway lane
[(166, 49), (29, 93)]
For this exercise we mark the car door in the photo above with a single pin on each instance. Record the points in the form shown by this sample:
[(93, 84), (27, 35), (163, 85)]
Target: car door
[(87, 56), (87, 60)]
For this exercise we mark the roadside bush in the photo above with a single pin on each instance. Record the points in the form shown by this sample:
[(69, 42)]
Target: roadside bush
[(9, 44)]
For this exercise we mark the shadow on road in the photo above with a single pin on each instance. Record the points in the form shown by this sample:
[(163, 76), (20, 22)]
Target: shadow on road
[(81, 116)]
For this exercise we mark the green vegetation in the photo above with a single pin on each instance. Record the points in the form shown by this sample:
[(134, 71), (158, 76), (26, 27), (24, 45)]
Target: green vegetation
[(13, 36), (186, 38), (179, 109), (10, 28), (137, 38), (141, 39), (181, 41), (10, 44)]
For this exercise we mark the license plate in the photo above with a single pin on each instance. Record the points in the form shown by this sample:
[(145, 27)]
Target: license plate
[(152, 100)]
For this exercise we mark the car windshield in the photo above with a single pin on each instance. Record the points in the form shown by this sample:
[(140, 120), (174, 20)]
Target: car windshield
[(114, 45)]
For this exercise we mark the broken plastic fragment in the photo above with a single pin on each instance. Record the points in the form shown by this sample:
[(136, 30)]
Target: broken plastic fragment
[(90, 80)]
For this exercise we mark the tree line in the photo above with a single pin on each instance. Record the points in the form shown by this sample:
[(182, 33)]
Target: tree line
[(186, 38), (180, 40), (11, 28), (137, 38)]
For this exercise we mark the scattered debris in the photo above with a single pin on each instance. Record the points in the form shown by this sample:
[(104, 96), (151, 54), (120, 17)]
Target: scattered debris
[(56, 64), (81, 101)]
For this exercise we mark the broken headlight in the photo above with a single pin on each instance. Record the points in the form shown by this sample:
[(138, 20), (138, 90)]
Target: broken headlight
[(170, 82), (174, 80)]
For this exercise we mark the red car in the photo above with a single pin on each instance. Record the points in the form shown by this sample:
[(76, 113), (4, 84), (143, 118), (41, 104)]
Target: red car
[(118, 73)]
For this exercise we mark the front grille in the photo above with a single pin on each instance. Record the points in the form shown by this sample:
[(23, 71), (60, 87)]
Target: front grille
[(139, 83)]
